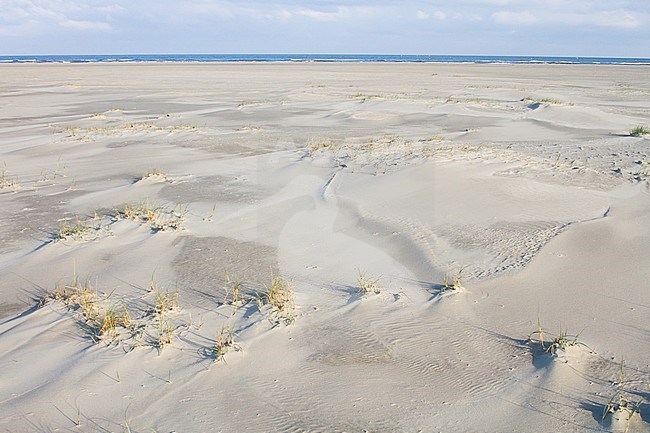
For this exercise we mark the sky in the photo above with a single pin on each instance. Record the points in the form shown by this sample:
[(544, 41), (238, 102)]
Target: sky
[(606, 28)]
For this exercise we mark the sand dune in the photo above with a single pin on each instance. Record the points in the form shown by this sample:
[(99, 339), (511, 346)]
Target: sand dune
[(176, 193)]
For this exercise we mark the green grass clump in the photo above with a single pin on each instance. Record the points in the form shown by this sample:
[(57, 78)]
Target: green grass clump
[(154, 327), (77, 297), (554, 343), (77, 230), (548, 101), (452, 282), (155, 173), (114, 318), (562, 342), (165, 335), (224, 344), (639, 131), (141, 212), (6, 182), (234, 295), (159, 218), (367, 286), (622, 406), (315, 146), (280, 298), (101, 324), (82, 230), (165, 302)]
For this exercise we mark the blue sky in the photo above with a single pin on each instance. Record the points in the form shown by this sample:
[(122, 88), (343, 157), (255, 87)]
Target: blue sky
[(618, 28)]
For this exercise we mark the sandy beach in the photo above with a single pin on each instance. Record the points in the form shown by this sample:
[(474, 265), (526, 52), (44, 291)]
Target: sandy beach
[(316, 247)]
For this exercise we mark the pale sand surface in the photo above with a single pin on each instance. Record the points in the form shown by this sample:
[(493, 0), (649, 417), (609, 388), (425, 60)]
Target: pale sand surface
[(525, 177)]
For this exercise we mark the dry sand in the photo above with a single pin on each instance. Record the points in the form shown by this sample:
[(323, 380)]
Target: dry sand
[(523, 177)]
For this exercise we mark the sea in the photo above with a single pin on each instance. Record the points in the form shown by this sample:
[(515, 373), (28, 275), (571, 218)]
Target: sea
[(362, 58)]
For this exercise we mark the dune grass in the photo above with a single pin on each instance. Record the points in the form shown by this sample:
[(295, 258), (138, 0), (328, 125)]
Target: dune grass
[(110, 323), (101, 323), (624, 406), (159, 218), (550, 343), (6, 182), (77, 230), (92, 133), (367, 286), (82, 229), (165, 302), (77, 297), (153, 283), (452, 282), (164, 336), (547, 101), (562, 341), (621, 403), (279, 296), (224, 344), (640, 131), (156, 173), (233, 293), (115, 317)]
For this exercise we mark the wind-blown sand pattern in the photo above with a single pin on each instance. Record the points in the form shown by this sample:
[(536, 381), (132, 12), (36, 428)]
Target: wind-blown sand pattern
[(178, 192)]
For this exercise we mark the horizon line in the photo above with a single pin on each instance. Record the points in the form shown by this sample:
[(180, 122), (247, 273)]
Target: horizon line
[(328, 54)]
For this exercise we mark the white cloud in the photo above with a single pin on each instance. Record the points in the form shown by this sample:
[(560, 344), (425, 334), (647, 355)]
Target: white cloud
[(339, 13), (352, 25), (515, 18), (422, 15), (440, 15), (615, 18), (110, 9), (85, 25), (469, 17), (199, 9), (32, 17), (28, 28), (336, 14), (490, 2)]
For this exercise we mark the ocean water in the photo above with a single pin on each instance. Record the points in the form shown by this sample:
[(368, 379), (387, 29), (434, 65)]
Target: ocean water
[(140, 58)]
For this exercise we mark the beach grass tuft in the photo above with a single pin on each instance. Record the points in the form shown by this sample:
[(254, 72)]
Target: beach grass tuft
[(546, 101), (452, 282), (622, 406), (102, 324), (77, 230), (155, 173), (366, 285), (87, 229), (159, 218), (115, 317), (165, 302), (233, 293), (224, 344), (77, 297), (640, 131), (6, 182), (554, 343), (164, 336), (279, 296), (562, 341), (314, 146), (154, 327)]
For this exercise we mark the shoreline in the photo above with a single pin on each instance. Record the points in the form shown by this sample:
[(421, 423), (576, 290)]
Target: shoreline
[(320, 58)]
